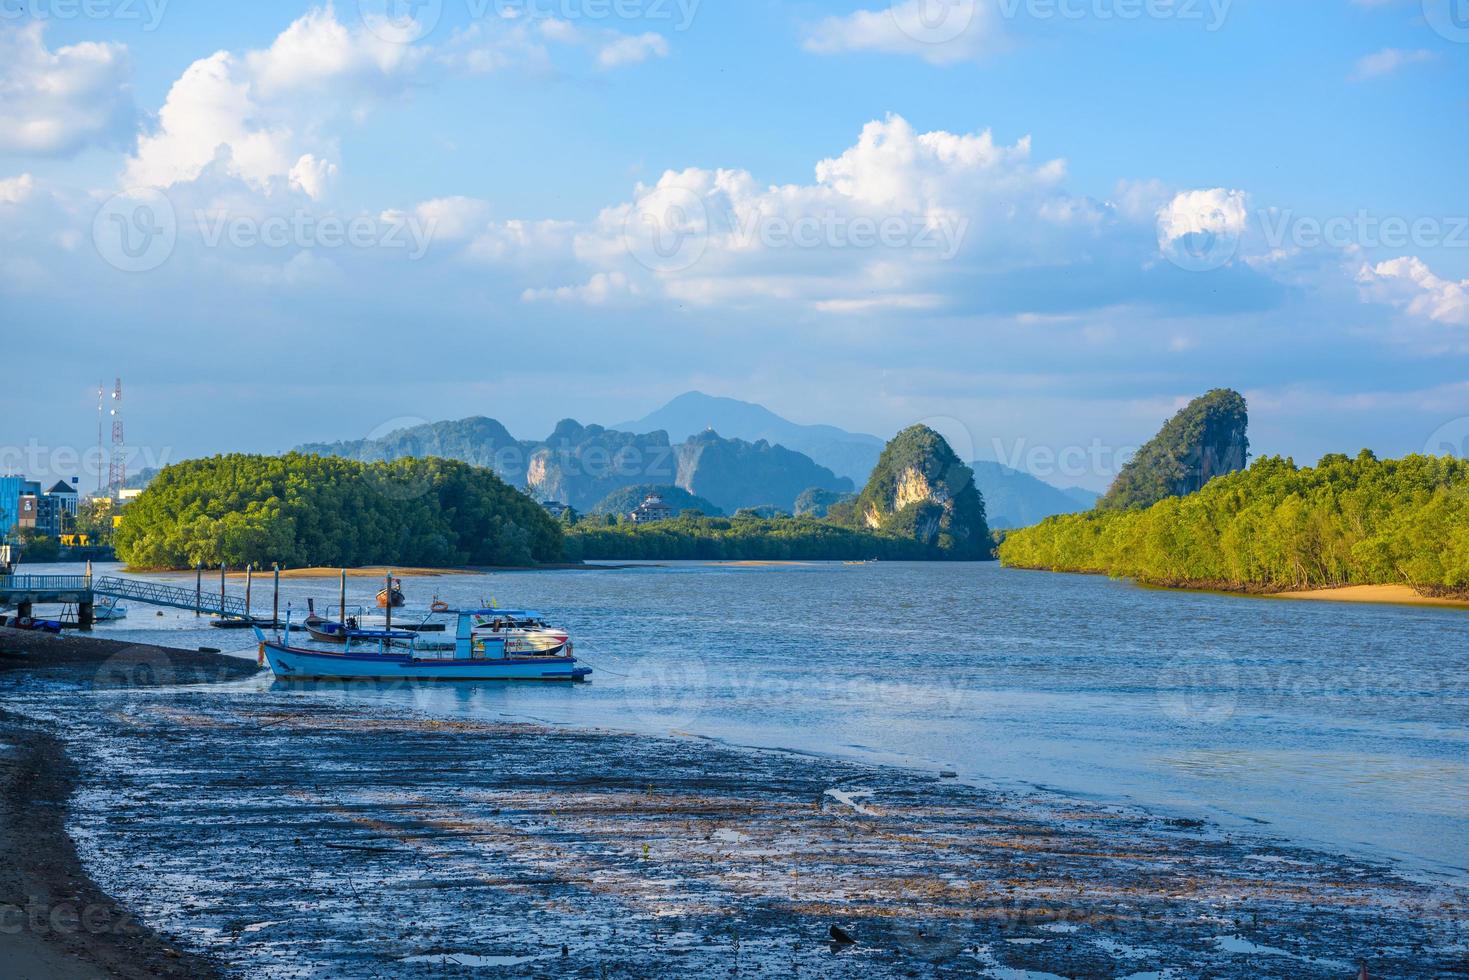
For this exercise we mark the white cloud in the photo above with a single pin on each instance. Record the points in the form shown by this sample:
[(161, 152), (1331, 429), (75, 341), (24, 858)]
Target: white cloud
[(310, 175), (1409, 284), (54, 103), (944, 33), (631, 49), (1217, 211), (601, 289), (14, 190), (1387, 61)]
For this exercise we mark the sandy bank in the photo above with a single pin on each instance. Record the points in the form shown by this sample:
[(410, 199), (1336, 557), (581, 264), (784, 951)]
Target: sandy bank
[(1393, 594)]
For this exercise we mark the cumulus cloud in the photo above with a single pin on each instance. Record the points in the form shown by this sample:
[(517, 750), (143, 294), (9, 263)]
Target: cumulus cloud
[(631, 49), (55, 103), (259, 116), (1388, 61), (1409, 284), (14, 190), (942, 33)]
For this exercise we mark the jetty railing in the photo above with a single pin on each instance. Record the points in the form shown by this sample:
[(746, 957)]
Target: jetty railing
[(154, 594)]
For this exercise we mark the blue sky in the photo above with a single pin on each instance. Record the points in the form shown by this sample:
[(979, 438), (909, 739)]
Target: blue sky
[(1089, 211)]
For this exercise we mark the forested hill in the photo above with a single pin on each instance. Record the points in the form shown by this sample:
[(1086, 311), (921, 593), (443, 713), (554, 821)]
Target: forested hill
[(1204, 440), (1278, 527), (311, 510)]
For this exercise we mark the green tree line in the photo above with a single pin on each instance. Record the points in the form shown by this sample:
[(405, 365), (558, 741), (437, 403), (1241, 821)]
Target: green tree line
[(695, 537), (1277, 527), (313, 510)]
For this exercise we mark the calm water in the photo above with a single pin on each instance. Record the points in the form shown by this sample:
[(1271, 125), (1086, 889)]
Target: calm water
[(1322, 723)]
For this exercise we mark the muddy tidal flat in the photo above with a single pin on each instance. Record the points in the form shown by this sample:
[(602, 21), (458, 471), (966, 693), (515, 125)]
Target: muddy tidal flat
[(282, 831)]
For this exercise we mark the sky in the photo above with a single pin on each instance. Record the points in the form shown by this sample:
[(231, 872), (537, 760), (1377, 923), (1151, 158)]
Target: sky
[(1040, 225)]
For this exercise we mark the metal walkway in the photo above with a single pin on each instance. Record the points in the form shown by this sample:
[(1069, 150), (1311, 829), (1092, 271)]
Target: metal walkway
[(78, 589), (153, 594)]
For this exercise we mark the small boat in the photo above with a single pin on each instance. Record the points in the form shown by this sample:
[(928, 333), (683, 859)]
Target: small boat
[(36, 625), (109, 612), (489, 644), (328, 632), (393, 596)]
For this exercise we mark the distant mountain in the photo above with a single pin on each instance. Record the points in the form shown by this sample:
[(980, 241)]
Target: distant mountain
[(921, 490), (1014, 499), (1087, 498), (849, 454), (736, 474), (816, 502), (1204, 440), (581, 465), (623, 502)]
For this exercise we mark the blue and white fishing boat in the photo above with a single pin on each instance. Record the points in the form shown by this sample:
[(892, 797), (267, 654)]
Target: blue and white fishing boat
[(489, 645)]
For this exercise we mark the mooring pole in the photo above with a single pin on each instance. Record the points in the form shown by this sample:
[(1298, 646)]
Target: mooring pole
[(222, 568), (198, 588), (389, 606), (343, 598), (249, 581), (275, 602)]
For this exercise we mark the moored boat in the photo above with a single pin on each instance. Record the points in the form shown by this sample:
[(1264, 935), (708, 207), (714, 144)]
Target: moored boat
[(489, 644), (392, 597), (109, 611)]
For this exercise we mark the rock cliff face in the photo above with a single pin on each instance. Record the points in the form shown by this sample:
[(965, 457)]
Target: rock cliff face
[(1204, 440), (735, 474), (581, 465), (921, 489)]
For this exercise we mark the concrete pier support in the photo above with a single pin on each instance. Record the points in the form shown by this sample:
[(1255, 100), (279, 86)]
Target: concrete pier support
[(23, 610), (85, 616)]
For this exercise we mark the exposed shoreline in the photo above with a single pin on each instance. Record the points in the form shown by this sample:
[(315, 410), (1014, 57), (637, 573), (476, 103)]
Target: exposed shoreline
[(55, 922), (585, 850), (1391, 595)]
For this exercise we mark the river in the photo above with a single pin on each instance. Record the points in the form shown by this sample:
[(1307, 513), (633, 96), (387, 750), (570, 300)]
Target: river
[(1331, 725)]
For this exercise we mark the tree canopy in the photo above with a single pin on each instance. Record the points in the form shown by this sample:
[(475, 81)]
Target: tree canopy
[(313, 510)]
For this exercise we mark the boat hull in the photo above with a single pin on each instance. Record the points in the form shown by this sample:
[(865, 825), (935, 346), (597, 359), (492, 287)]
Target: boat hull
[(293, 663)]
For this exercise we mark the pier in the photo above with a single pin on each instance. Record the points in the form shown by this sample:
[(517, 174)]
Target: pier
[(24, 592)]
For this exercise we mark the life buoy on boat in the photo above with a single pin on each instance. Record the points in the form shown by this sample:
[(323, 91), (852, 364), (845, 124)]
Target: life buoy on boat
[(261, 658), (439, 605)]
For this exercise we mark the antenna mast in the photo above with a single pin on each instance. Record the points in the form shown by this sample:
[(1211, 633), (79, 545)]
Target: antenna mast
[(117, 470)]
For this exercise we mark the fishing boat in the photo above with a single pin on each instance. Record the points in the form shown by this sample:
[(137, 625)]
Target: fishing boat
[(489, 644), (392, 597), (109, 611)]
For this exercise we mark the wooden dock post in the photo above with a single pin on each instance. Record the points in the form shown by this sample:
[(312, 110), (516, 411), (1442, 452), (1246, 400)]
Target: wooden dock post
[(222, 569), (198, 588), (388, 606), (343, 598), (275, 602), (249, 583)]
